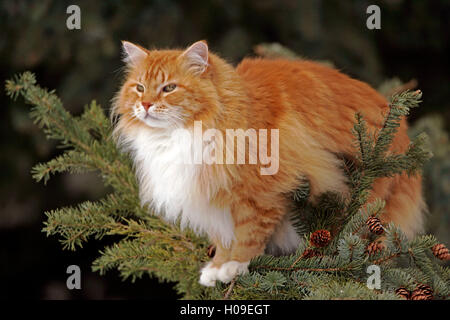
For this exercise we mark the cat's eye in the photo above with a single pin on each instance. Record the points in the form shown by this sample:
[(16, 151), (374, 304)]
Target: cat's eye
[(140, 88), (170, 87)]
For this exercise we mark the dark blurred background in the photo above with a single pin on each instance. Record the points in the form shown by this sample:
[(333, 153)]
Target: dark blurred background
[(413, 43)]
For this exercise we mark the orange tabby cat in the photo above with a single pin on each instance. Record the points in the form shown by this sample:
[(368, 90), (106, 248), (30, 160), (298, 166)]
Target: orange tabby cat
[(311, 109)]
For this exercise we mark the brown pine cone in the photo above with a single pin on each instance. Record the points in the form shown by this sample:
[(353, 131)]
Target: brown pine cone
[(422, 292), (375, 225), (211, 251), (309, 253), (403, 292), (320, 238), (374, 247), (441, 251)]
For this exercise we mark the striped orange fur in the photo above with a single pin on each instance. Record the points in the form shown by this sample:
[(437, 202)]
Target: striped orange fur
[(312, 106)]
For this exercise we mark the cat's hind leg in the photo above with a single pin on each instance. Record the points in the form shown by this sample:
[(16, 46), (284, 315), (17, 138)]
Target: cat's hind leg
[(285, 239)]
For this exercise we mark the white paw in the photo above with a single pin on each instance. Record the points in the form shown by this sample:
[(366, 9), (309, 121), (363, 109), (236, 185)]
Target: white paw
[(231, 269), (208, 275)]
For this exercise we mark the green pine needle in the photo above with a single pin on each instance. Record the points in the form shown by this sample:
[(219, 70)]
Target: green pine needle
[(146, 245)]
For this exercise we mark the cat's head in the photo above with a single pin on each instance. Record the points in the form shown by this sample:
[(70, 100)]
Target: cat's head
[(167, 88)]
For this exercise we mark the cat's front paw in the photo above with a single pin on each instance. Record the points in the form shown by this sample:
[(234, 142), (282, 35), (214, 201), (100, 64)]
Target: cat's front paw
[(226, 272), (208, 275), (231, 269)]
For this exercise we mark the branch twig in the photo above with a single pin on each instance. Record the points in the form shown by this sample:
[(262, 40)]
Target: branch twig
[(230, 289)]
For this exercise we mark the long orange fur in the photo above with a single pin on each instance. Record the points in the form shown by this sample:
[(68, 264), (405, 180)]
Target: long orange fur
[(312, 105)]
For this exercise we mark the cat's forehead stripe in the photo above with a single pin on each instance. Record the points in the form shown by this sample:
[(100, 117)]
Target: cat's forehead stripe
[(159, 76), (157, 65), (155, 72)]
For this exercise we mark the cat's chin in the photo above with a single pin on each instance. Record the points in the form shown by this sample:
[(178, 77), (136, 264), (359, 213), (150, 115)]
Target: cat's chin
[(154, 122)]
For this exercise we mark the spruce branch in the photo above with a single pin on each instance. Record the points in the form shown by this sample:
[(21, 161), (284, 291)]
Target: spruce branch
[(146, 245)]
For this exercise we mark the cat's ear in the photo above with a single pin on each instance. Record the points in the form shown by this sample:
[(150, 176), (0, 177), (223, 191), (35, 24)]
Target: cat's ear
[(132, 53), (196, 57)]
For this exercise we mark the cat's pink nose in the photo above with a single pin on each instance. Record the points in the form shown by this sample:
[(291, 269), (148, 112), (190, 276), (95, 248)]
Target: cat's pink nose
[(146, 105)]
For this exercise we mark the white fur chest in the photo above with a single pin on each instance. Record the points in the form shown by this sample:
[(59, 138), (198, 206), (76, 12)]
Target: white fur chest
[(171, 187)]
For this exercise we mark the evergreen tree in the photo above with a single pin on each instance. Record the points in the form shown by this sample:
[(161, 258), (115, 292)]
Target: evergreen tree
[(340, 238)]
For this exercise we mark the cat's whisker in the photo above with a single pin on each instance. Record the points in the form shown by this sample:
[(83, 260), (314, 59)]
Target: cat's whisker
[(118, 71), (175, 116), (132, 115)]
